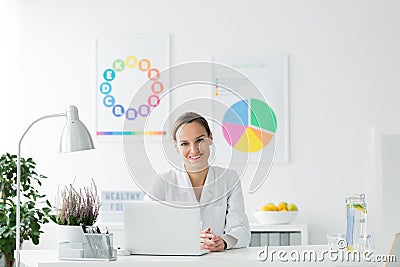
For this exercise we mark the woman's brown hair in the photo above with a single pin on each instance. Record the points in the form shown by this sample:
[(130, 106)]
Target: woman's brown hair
[(189, 117)]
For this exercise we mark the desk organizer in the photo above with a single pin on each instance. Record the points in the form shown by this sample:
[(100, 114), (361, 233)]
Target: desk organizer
[(94, 247)]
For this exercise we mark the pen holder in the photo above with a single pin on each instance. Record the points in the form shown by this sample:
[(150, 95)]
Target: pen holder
[(95, 247), (98, 246)]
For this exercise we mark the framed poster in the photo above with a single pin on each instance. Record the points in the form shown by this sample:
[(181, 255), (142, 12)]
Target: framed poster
[(124, 65), (262, 93)]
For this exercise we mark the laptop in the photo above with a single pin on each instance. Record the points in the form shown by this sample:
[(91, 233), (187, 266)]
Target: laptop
[(155, 228)]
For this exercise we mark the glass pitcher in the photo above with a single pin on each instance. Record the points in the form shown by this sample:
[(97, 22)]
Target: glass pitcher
[(356, 214)]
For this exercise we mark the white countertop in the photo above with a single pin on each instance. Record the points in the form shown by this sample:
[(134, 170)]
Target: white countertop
[(236, 257)]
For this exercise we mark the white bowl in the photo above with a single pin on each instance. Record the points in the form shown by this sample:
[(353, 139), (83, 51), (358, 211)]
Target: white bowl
[(275, 217)]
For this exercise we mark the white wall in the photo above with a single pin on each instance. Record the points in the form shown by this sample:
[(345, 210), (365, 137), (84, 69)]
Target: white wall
[(344, 81)]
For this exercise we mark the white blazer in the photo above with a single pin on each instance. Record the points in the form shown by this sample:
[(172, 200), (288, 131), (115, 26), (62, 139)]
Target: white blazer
[(221, 202)]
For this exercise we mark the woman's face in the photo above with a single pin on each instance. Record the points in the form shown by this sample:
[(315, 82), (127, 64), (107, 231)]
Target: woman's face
[(193, 143)]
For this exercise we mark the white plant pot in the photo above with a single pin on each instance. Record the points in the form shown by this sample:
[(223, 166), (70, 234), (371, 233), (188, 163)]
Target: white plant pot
[(70, 233)]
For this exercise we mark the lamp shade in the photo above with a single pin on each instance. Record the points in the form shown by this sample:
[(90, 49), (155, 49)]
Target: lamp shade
[(75, 135)]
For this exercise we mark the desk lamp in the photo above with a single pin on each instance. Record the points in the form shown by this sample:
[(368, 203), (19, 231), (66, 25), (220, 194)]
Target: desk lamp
[(75, 137)]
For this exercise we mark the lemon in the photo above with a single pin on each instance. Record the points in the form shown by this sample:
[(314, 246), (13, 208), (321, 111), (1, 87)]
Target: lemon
[(282, 206), (292, 207), (361, 208), (269, 207)]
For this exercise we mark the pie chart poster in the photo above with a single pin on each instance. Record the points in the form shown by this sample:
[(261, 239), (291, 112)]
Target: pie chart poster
[(124, 64), (238, 131)]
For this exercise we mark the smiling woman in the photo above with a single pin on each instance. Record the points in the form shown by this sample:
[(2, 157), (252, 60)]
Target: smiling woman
[(192, 139), (217, 191)]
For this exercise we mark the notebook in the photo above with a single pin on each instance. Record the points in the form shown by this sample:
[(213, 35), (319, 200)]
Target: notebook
[(155, 228), (394, 250)]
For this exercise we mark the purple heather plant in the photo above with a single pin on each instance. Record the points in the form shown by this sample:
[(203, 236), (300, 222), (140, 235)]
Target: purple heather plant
[(77, 207)]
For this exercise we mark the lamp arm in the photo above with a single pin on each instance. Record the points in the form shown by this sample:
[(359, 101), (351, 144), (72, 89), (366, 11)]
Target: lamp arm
[(18, 217)]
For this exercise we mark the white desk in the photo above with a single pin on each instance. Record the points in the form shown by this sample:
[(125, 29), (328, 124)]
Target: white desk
[(237, 257)]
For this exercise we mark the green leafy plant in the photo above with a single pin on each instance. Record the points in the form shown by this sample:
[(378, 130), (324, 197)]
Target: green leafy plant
[(35, 210), (75, 207)]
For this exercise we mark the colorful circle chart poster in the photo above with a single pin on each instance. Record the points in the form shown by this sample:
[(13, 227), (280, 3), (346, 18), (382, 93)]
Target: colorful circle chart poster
[(129, 89), (255, 123)]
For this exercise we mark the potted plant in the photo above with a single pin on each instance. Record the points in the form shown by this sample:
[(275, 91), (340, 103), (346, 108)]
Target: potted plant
[(35, 210), (75, 207)]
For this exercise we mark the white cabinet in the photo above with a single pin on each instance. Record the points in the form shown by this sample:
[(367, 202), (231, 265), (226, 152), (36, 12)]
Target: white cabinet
[(278, 235)]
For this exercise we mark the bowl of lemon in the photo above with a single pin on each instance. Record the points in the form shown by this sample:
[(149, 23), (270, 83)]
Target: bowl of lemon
[(283, 213)]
